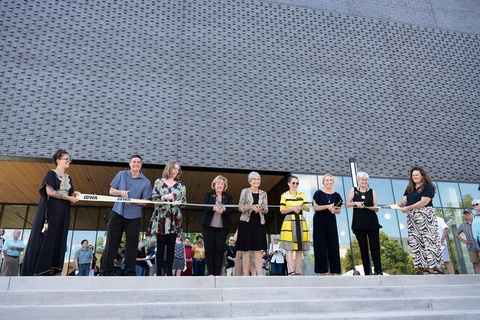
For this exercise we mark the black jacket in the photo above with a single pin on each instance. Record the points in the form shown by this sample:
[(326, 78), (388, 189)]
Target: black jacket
[(210, 198)]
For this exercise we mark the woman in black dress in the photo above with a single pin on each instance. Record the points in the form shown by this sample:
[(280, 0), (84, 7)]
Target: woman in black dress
[(252, 235), (327, 203), (365, 224), (46, 246)]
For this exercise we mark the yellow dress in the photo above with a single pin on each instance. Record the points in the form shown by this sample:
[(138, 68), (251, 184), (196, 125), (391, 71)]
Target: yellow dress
[(294, 224)]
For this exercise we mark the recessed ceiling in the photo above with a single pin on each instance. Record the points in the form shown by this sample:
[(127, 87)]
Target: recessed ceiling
[(20, 181)]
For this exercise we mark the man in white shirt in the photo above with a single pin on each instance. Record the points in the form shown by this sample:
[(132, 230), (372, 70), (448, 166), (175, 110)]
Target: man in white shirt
[(443, 234)]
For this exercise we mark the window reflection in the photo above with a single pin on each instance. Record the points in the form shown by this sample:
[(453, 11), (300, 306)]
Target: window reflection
[(468, 192), (450, 197), (14, 216)]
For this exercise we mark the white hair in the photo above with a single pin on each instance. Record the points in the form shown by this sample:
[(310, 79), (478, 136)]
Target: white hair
[(252, 175), (362, 174)]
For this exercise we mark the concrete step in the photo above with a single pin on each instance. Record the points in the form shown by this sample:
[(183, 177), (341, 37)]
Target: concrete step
[(372, 297)]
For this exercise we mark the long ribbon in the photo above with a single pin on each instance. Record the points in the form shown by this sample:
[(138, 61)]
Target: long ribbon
[(101, 198)]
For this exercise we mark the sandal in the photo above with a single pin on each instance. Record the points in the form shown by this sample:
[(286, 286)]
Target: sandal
[(426, 272), (437, 271), (292, 273)]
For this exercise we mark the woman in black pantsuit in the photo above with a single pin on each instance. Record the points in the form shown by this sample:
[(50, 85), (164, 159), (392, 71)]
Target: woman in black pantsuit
[(215, 224), (326, 203), (365, 224)]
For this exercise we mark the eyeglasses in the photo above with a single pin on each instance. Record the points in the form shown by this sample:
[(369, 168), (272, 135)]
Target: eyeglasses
[(297, 183), (476, 204), (231, 239), (67, 159)]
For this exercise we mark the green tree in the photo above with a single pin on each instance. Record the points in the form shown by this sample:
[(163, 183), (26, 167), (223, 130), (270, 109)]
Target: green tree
[(394, 259)]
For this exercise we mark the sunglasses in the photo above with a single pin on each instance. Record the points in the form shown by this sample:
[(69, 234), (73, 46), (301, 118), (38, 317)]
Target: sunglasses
[(476, 204), (297, 183)]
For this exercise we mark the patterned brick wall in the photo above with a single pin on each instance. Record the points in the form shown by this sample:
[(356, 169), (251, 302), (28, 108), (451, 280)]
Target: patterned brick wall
[(239, 84)]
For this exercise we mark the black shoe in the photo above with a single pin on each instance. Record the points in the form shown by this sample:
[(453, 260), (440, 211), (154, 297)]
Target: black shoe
[(380, 273)]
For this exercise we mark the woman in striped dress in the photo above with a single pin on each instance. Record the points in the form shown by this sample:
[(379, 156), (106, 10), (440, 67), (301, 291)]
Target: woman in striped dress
[(422, 225), (295, 236)]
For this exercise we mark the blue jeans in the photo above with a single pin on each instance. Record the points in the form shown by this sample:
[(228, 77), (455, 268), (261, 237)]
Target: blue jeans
[(198, 267), (277, 269), (140, 271), (83, 269)]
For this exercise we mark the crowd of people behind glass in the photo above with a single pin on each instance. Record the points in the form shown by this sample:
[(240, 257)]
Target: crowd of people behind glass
[(165, 252)]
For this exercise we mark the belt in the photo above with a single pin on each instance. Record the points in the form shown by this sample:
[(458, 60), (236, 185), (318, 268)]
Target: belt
[(12, 256)]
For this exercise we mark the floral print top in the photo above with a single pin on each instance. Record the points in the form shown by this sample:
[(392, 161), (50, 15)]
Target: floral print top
[(167, 218)]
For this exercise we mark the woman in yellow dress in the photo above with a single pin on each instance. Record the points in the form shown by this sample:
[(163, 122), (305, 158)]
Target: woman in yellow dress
[(295, 236)]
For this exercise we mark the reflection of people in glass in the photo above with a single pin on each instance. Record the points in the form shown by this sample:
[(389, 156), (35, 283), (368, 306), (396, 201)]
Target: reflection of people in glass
[(215, 224), (252, 235), (365, 224), (167, 218), (295, 235), (48, 239), (422, 223), (326, 203)]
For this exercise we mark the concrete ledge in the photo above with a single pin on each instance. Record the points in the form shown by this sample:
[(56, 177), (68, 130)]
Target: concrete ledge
[(128, 311), (241, 309), (98, 283), (108, 296)]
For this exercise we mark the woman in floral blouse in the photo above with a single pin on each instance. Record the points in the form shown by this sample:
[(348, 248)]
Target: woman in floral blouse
[(167, 218)]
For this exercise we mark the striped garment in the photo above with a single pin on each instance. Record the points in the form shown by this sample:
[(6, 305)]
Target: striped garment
[(423, 238), (293, 224)]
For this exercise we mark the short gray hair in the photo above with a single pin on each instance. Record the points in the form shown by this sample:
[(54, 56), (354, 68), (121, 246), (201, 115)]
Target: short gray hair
[(252, 175), (362, 174)]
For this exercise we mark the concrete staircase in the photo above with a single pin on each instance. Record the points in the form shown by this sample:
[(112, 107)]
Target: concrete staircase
[(342, 297)]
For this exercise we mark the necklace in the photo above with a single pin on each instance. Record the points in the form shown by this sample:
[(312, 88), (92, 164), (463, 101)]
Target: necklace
[(328, 197)]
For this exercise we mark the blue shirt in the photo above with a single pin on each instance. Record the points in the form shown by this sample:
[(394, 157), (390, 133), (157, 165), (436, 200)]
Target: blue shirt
[(476, 228), (140, 188), (12, 243), (83, 256)]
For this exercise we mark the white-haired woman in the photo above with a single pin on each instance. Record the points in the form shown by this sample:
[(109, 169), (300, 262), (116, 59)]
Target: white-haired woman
[(365, 224), (252, 235)]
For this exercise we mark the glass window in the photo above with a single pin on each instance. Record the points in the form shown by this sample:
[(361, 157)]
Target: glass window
[(449, 194), (87, 218), (13, 216), (32, 212), (308, 185), (468, 191), (383, 189), (75, 243), (399, 187), (104, 216)]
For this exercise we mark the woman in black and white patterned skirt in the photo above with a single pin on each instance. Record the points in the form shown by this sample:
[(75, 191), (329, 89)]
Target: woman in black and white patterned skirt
[(422, 225)]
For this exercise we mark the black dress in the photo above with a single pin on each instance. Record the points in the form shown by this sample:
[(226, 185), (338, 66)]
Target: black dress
[(46, 250), (252, 235)]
